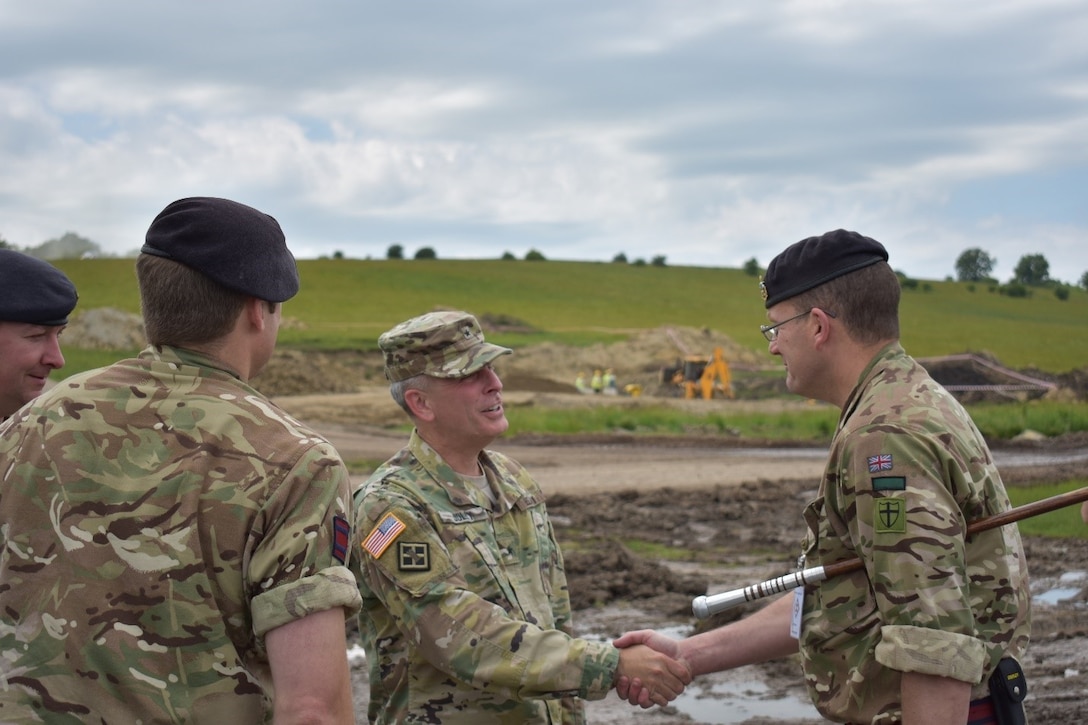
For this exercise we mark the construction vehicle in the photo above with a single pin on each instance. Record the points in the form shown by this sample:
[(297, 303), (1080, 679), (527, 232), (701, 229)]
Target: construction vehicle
[(701, 376), (698, 373), (707, 376)]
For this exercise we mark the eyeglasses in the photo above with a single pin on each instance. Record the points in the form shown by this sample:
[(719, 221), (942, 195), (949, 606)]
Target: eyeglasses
[(771, 331)]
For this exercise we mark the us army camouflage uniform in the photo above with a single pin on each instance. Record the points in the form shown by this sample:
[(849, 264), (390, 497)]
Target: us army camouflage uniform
[(466, 614), (907, 471), (158, 517)]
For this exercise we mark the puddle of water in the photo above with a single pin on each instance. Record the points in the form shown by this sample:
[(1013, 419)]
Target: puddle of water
[(356, 655), (1053, 596), (1070, 585), (737, 701)]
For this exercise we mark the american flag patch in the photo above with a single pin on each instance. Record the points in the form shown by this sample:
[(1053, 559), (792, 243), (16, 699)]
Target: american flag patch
[(881, 462), (341, 534), (384, 534)]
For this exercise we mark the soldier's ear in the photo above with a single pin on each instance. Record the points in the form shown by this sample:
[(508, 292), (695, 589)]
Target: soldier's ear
[(823, 324), (419, 404), (255, 311)]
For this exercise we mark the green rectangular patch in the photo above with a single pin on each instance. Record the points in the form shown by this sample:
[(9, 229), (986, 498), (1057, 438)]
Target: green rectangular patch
[(890, 516), (890, 483), (414, 556)]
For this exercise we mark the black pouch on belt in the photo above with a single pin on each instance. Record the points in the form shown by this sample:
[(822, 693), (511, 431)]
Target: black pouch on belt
[(1008, 688)]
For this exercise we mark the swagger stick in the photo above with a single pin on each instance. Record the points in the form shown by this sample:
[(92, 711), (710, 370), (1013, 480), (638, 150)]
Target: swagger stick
[(704, 606)]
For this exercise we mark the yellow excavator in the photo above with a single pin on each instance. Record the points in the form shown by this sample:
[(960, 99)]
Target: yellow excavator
[(705, 375)]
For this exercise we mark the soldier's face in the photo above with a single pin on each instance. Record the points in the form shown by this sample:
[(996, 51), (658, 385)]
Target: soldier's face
[(28, 353), (471, 407), (791, 344)]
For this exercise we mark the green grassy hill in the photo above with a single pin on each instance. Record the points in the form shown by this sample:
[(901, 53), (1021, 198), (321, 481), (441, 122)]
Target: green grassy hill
[(348, 303)]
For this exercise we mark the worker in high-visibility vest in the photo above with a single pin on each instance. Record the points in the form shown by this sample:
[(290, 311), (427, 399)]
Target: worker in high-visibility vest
[(609, 380)]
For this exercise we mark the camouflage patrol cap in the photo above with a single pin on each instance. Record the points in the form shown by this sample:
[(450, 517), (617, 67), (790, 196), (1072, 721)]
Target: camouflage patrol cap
[(233, 244), (34, 291), (447, 344), (811, 262)]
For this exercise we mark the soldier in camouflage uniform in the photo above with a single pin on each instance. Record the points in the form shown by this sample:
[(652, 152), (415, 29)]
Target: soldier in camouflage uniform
[(35, 301), (915, 634), (466, 615), (175, 545)]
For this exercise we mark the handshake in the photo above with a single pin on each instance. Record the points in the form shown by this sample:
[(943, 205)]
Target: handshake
[(651, 670)]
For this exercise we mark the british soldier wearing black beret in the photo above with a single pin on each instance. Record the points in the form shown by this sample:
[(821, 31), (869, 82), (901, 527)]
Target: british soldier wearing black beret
[(35, 301)]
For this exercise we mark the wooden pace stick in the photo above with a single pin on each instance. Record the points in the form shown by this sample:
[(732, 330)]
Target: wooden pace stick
[(705, 606)]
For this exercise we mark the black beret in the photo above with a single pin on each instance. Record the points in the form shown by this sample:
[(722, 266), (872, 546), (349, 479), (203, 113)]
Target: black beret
[(812, 262), (237, 246), (34, 291)]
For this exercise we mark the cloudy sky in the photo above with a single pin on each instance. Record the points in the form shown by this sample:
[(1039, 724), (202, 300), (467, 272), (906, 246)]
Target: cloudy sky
[(710, 132)]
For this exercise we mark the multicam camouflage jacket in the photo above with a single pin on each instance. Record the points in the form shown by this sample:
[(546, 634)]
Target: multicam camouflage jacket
[(908, 470), (157, 518), (466, 614)]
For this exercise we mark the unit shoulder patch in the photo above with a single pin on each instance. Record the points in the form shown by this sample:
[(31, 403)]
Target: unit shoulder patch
[(890, 516), (413, 556), (340, 539)]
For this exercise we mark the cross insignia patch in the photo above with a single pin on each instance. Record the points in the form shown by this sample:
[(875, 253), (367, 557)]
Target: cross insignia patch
[(891, 517), (413, 556)]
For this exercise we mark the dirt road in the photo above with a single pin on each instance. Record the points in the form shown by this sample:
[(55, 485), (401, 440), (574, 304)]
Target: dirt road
[(597, 464)]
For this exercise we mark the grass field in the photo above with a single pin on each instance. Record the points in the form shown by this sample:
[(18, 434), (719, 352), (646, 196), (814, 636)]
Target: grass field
[(1002, 421), (1065, 522), (347, 303)]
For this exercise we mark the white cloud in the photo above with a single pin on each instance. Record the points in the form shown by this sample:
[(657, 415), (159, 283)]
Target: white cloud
[(704, 131)]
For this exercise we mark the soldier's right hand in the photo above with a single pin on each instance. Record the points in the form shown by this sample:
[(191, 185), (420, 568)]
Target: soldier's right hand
[(659, 678)]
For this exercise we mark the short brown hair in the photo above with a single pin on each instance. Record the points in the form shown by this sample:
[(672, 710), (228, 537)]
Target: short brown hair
[(865, 301), (181, 306)]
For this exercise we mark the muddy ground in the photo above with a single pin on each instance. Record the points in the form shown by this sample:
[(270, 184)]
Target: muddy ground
[(739, 535), (732, 508)]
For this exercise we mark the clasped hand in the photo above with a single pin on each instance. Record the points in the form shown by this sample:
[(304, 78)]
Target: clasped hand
[(651, 671)]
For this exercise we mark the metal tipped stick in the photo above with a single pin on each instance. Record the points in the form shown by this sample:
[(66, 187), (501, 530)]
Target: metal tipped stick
[(705, 606)]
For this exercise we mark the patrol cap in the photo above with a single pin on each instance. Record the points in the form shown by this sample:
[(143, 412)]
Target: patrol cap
[(811, 262), (34, 291), (233, 244), (448, 344)]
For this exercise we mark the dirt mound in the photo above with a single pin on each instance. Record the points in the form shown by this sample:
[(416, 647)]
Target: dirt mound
[(105, 328), (298, 372), (975, 378), (638, 360), (1071, 385), (543, 368), (641, 360)]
